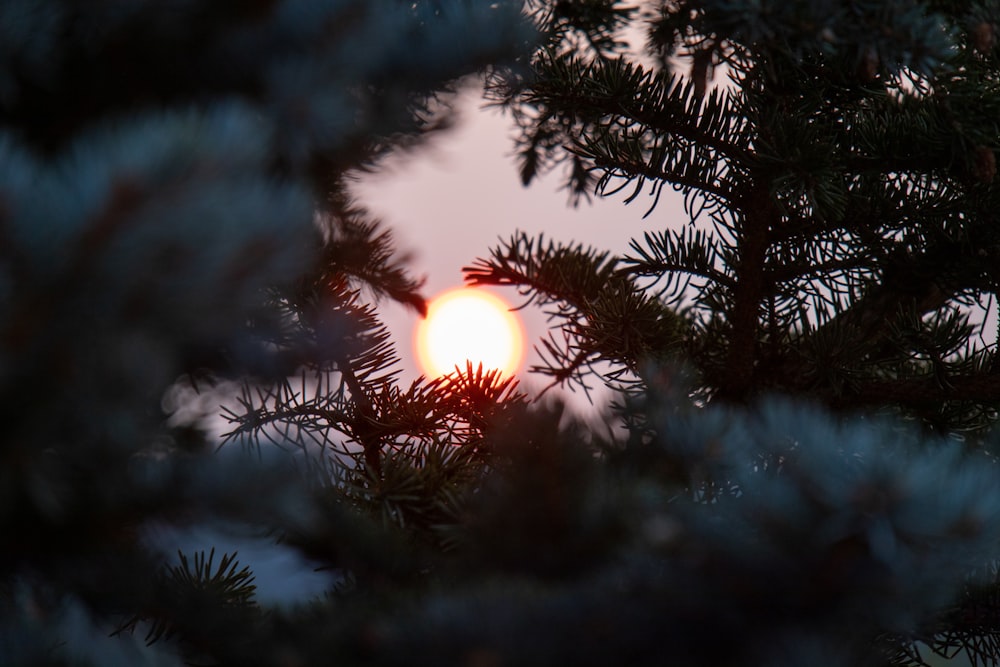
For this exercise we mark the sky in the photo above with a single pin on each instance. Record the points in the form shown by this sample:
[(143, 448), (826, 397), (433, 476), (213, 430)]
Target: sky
[(449, 202)]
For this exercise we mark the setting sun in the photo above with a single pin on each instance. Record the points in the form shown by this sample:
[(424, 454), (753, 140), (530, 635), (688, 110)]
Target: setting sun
[(468, 324)]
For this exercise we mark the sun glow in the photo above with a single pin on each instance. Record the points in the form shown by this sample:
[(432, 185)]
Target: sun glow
[(469, 325)]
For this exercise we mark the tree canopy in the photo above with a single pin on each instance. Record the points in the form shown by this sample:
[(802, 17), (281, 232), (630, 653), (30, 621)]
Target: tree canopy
[(838, 174), (805, 374)]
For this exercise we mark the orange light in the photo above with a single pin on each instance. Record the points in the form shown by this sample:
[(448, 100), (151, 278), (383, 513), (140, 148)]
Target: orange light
[(469, 325)]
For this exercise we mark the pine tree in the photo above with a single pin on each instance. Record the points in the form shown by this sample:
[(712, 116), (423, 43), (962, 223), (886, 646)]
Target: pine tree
[(838, 181), (806, 475), (172, 211), (836, 163)]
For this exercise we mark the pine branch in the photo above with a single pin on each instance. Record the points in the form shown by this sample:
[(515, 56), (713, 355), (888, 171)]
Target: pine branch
[(669, 253), (634, 123), (197, 601), (603, 314), (362, 250)]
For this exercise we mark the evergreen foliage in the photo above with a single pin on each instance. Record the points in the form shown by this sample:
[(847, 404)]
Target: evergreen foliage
[(806, 471), (838, 183), (836, 162), (172, 209)]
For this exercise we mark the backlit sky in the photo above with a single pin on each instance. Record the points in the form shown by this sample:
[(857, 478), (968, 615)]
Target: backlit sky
[(449, 201)]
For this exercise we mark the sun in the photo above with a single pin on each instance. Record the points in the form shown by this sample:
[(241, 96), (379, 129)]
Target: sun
[(469, 325)]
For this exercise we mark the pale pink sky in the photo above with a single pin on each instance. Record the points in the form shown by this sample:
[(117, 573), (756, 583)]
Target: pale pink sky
[(449, 201)]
